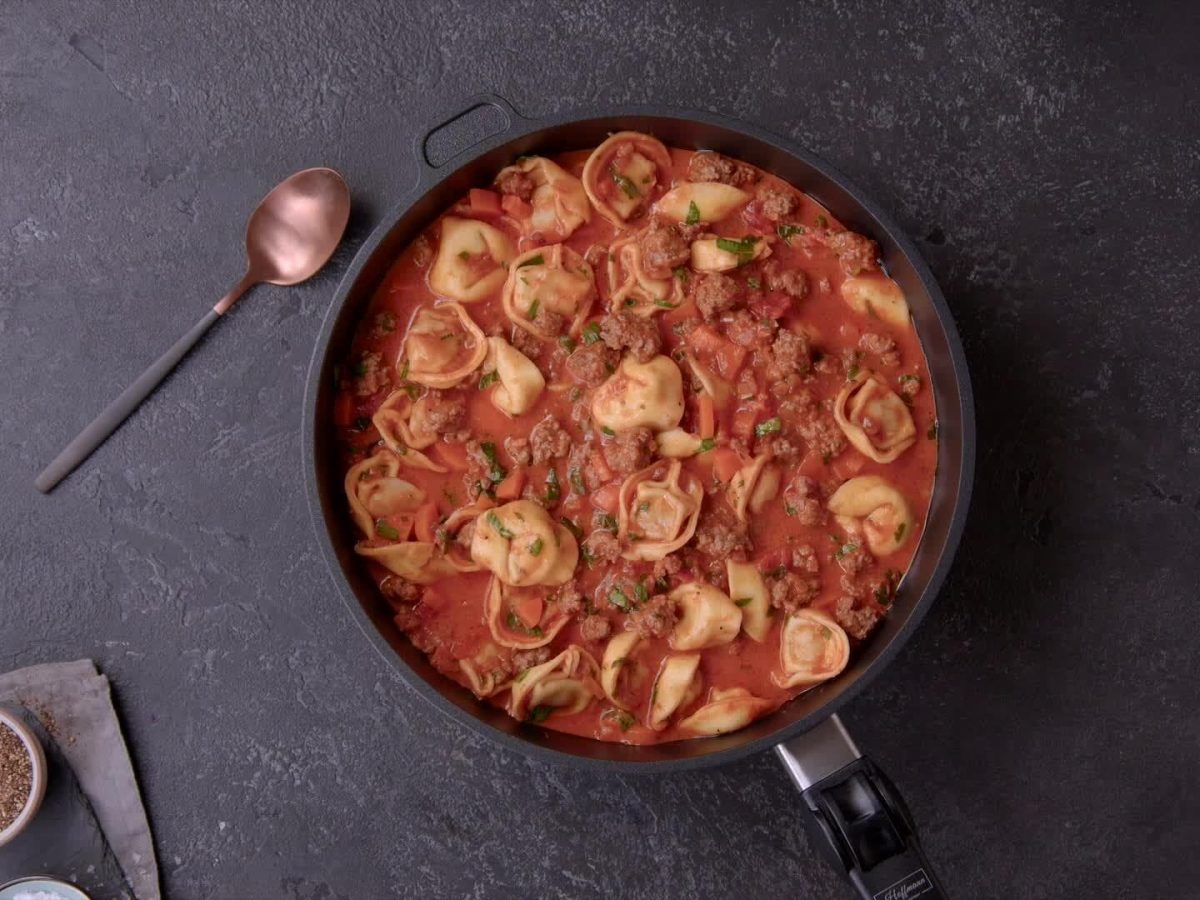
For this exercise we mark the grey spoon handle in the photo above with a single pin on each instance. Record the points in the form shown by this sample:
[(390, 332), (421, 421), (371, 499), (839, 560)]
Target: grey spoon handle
[(118, 411)]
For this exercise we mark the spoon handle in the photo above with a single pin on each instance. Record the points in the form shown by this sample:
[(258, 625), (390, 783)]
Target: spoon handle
[(118, 411)]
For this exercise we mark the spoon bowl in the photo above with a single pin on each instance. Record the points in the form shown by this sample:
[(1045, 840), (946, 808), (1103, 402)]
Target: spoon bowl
[(296, 227)]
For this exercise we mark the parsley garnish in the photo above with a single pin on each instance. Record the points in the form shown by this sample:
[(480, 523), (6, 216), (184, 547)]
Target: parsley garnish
[(693, 214), (640, 592), (384, 530), (532, 261), (788, 231), (570, 525), (567, 343), (666, 304), (625, 184), (754, 284), (822, 222), (531, 314), (553, 488), (743, 601), (618, 599), (900, 529), (707, 444), (498, 526), (682, 273), (771, 426), (496, 472), (591, 333), (845, 550), (743, 249), (576, 478), (932, 432), (535, 549), (852, 372), (540, 714), (607, 522), (489, 379), (607, 430)]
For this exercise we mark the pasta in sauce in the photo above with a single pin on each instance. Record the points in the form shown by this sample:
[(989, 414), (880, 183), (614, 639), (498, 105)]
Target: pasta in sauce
[(639, 442)]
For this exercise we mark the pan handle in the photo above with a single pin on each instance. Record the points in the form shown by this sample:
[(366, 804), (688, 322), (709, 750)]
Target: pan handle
[(483, 117), (859, 815)]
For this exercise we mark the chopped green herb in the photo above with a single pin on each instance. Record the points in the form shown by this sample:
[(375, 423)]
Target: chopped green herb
[(932, 432), (666, 304), (576, 479), (826, 632), (822, 222), (682, 273), (569, 524), (907, 379), (620, 716), (640, 593), (852, 372), (464, 255), (618, 599), (567, 343), (900, 529), (789, 509), (625, 184), (540, 714), (591, 333), (661, 584), (386, 531), (496, 472), (485, 489), (535, 549), (413, 391), (743, 249), (754, 284), (553, 488), (498, 526), (777, 572), (360, 369), (693, 214), (845, 550), (771, 426), (532, 312), (607, 522), (788, 231), (362, 423), (743, 601), (537, 260), (489, 379), (404, 371), (707, 444), (630, 303), (607, 430)]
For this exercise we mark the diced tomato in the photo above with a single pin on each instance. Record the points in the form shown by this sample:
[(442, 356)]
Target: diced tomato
[(771, 305), (724, 355), (425, 521), (343, 409), (726, 464), (485, 203), (528, 607), (704, 339), (848, 464), (600, 466), (743, 422), (754, 217), (510, 488), (729, 359), (516, 207), (773, 559), (607, 498), (434, 599), (707, 419), (452, 456)]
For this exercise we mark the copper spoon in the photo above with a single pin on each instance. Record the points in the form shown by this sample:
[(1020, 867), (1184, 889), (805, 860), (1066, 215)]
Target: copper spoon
[(289, 237)]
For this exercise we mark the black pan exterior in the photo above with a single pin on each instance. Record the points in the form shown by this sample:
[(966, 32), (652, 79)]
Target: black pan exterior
[(439, 188)]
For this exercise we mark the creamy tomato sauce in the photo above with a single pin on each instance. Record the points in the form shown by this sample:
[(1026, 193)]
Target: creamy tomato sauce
[(652, 483)]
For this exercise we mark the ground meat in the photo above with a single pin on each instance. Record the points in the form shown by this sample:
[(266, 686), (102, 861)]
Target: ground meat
[(853, 557), (804, 559), (881, 345), (371, 376), (594, 628), (570, 600), (445, 411), (517, 183), (422, 252), (722, 536), (709, 166), (399, 591), (664, 247), (655, 618), (781, 448), (791, 592), (790, 354), (548, 440), (637, 334), (517, 449), (478, 469), (748, 330), (547, 321), (581, 414), (822, 434), (527, 659), (630, 450), (776, 204), (592, 363), (827, 364), (667, 566), (792, 282), (527, 343), (858, 622), (601, 547), (714, 294), (802, 499), (857, 253), (909, 385), (385, 323)]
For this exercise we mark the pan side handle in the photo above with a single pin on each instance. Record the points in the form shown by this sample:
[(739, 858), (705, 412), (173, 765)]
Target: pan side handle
[(484, 117), (857, 815)]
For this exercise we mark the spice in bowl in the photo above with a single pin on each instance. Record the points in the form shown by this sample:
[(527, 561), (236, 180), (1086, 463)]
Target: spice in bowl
[(16, 776)]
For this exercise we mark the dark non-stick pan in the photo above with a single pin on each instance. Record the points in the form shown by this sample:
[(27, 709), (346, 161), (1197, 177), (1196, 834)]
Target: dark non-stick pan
[(853, 807)]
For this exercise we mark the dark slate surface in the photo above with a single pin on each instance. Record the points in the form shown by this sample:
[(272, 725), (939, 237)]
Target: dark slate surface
[(1044, 722)]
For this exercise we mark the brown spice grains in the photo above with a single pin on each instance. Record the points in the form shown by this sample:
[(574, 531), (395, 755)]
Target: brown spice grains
[(16, 776)]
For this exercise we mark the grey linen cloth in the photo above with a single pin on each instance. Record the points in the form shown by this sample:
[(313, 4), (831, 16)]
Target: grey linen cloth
[(72, 702)]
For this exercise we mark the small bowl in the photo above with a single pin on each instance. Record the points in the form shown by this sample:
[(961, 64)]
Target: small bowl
[(37, 790), (41, 885)]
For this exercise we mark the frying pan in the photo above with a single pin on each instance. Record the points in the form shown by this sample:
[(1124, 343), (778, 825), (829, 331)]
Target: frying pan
[(853, 808)]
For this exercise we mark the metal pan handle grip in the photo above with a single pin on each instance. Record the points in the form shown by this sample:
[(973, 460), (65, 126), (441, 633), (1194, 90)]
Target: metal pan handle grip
[(482, 118), (857, 815)]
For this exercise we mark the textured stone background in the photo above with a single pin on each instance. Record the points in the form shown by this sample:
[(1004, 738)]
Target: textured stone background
[(1043, 723)]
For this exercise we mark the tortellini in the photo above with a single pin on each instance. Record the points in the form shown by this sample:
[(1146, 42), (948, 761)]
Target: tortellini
[(749, 593), (871, 505), (632, 287), (703, 201), (443, 346), (638, 394), (678, 444), (874, 294), (753, 486), (563, 685), (472, 260), (707, 617), (485, 672), (616, 666), (519, 381), (874, 418), (506, 609), (658, 509), (417, 561), (522, 546), (726, 711), (559, 203), (549, 291), (717, 254), (623, 174), (403, 427), (812, 648), (376, 494), (678, 684)]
